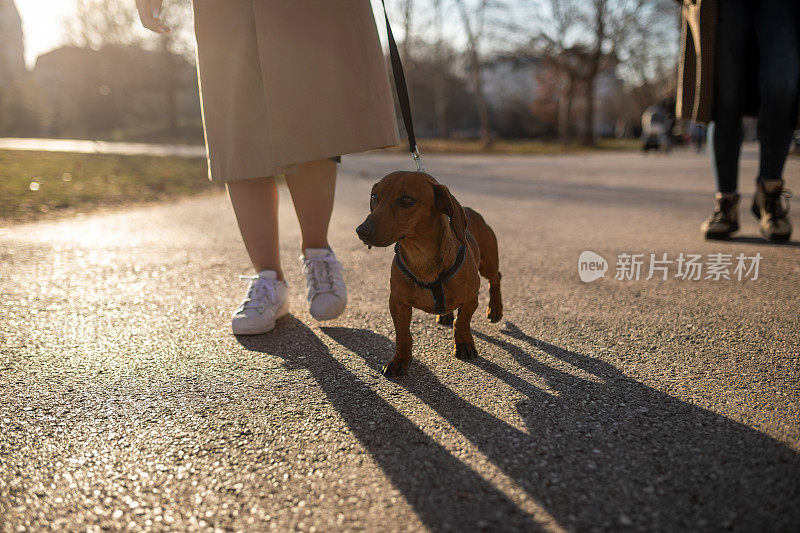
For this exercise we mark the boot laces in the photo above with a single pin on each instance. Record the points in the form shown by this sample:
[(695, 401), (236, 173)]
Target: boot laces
[(777, 204), (722, 213)]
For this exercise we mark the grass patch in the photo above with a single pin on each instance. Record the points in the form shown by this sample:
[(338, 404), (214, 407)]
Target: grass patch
[(34, 185), (520, 147)]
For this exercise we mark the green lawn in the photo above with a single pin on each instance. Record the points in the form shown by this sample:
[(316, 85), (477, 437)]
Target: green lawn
[(37, 184)]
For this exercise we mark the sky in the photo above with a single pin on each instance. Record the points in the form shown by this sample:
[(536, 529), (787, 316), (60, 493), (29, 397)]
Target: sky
[(42, 25)]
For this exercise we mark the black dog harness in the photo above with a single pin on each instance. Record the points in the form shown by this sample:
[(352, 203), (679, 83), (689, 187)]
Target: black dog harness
[(437, 286)]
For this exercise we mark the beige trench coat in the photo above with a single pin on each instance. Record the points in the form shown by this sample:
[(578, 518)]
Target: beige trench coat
[(695, 98), (696, 67), (284, 82)]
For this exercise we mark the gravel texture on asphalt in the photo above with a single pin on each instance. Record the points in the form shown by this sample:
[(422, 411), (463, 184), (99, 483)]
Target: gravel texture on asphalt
[(650, 405)]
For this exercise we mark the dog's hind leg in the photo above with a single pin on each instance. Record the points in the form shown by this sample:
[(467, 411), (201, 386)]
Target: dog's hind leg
[(490, 269), (494, 311), (445, 320), (462, 336), (489, 263)]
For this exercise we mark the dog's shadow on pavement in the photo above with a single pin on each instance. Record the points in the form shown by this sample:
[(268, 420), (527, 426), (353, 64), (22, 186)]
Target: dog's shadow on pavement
[(606, 452)]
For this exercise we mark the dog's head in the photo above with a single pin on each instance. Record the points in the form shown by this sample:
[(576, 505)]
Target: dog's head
[(406, 204)]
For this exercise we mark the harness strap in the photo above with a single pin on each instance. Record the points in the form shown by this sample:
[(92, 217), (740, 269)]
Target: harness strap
[(436, 286)]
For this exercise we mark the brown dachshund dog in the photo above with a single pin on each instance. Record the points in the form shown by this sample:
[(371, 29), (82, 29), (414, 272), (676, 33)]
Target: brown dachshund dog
[(440, 249)]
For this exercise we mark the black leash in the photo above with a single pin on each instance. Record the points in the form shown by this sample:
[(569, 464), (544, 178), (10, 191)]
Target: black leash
[(436, 286), (402, 92)]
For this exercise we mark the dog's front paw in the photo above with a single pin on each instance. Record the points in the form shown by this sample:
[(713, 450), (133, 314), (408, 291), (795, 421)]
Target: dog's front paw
[(394, 368), (465, 350), (445, 320)]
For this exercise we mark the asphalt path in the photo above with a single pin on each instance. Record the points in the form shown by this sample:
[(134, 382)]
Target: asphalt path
[(620, 404)]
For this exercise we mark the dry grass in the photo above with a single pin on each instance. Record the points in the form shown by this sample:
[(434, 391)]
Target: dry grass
[(34, 185), (38, 184)]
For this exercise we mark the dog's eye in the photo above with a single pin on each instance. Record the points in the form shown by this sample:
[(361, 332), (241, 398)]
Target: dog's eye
[(373, 198), (407, 201)]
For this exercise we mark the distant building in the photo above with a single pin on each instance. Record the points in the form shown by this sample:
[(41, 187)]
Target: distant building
[(12, 47), (511, 78), (511, 87), (518, 87), (609, 93), (117, 90)]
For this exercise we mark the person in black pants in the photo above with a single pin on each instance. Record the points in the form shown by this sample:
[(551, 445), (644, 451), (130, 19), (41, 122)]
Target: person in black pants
[(756, 58)]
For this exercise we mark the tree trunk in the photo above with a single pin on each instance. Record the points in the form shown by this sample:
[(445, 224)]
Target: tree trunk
[(440, 105), (3, 114), (170, 89), (172, 111), (475, 67), (407, 15), (565, 110), (480, 100), (594, 68), (439, 97), (588, 132)]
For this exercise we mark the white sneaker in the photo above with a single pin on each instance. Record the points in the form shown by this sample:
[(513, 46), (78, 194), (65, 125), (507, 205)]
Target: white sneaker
[(327, 294), (267, 300)]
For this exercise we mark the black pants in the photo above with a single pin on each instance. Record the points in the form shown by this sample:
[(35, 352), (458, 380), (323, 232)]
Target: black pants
[(771, 28)]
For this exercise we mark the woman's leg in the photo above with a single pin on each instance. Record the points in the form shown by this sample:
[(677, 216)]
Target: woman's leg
[(255, 202), (779, 70), (779, 75), (312, 189), (734, 27)]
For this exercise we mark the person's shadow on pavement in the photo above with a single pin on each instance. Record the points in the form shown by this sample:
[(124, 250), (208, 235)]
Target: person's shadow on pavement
[(444, 493), (606, 452), (747, 239)]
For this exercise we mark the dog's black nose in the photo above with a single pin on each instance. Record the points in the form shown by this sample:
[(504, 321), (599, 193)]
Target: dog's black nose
[(365, 230)]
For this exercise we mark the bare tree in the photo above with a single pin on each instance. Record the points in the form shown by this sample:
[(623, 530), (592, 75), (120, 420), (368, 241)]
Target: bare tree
[(582, 38), (408, 15), (439, 95), (474, 30), (97, 23)]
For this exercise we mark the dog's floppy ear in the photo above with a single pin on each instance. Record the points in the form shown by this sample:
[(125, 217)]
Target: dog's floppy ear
[(447, 204)]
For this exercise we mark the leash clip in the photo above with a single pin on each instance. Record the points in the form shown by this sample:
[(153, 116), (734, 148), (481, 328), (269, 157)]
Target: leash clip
[(417, 159)]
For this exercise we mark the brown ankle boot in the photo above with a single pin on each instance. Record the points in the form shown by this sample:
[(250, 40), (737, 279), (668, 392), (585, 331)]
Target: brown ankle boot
[(725, 219), (771, 208)]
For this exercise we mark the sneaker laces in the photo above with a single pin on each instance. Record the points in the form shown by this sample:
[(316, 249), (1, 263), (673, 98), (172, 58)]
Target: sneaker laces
[(259, 287), (318, 273), (775, 205)]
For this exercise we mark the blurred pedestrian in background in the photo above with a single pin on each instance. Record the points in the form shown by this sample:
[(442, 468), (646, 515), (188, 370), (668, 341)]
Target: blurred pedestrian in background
[(741, 57), (658, 124), (286, 88), (697, 134)]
